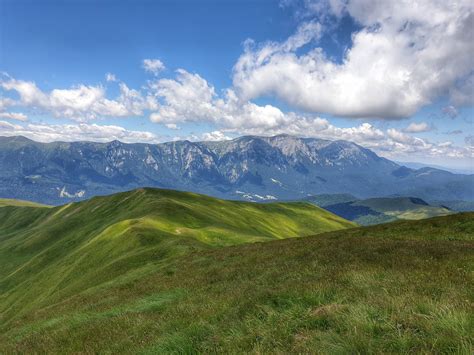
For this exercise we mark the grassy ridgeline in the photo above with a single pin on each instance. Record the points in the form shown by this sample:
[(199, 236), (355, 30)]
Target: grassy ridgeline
[(400, 287), (12, 202), (49, 254)]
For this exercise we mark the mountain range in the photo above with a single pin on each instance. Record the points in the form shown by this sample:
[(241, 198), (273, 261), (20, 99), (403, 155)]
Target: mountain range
[(251, 168)]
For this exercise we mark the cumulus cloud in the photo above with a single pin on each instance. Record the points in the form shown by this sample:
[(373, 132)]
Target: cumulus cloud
[(76, 132), (173, 126), (400, 144), (14, 116), (392, 69), (405, 56), (190, 98), (110, 77), (5, 103), (215, 136), (415, 127), (469, 140), (153, 66), (80, 103), (462, 94)]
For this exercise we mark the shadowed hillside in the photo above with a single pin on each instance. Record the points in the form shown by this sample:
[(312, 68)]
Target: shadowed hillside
[(378, 210)]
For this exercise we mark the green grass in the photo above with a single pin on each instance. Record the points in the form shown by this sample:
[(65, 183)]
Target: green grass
[(137, 287), (403, 208), (12, 202), (330, 199), (49, 254), (380, 209)]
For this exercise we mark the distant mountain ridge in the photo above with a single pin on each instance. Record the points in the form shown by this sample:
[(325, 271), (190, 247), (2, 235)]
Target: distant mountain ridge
[(248, 168), (414, 165)]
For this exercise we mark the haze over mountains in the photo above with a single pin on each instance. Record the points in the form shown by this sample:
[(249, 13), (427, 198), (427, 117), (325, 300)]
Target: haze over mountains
[(248, 168)]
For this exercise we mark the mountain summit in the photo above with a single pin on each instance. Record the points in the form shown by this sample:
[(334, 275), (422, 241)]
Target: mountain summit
[(248, 168)]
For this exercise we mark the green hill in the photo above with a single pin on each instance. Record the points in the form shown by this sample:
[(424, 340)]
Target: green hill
[(12, 202), (378, 210), (135, 272), (323, 200), (47, 254), (461, 206)]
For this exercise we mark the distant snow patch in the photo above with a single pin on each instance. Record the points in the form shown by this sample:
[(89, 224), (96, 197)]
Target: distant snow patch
[(425, 173), (253, 197), (275, 181), (64, 194)]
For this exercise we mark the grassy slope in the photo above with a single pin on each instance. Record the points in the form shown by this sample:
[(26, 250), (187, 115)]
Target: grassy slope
[(404, 208), (384, 209), (464, 206), (330, 199), (400, 287), (47, 255), (11, 202)]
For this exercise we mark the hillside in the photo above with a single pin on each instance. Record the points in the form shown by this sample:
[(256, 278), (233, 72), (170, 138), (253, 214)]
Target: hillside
[(12, 202), (378, 210), (461, 206), (251, 168), (324, 200), (141, 285), (60, 251)]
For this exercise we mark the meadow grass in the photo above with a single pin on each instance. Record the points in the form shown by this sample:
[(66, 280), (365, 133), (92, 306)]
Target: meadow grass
[(12, 202), (139, 287)]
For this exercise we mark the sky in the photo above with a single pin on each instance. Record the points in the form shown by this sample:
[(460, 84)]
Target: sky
[(396, 77)]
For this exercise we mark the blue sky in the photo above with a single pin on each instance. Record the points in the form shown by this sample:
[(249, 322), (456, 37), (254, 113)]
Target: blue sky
[(397, 80)]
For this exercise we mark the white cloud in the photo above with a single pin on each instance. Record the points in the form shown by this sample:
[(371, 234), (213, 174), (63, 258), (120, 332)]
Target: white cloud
[(381, 76), (418, 127), (80, 103), (76, 132), (5, 103), (406, 55), (190, 98), (462, 94), (173, 126), (110, 77), (153, 66), (215, 136), (14, 116)]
